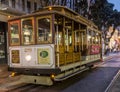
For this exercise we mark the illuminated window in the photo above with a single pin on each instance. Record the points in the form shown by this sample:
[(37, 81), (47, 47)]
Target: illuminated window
[(14, 33), (27, 31), (13, 3), (58, 23), (68, 32), (44, 34)]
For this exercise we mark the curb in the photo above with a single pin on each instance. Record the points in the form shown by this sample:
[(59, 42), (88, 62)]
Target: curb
[(106, 59), (110, 57)]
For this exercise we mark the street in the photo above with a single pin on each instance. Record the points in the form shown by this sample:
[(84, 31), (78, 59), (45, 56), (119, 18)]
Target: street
[(95, 80)]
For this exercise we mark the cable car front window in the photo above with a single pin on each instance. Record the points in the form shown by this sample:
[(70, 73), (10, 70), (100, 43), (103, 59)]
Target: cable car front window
[(27, 31), (44, 33), (14, 33)]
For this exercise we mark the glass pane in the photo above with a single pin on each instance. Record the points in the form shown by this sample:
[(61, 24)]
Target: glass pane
[(27, 31), (58, 35), (93, 37), (70, 38), (15, 39), (68, 32), (76, 41), (89, 37), (44, 33), (58, 25)]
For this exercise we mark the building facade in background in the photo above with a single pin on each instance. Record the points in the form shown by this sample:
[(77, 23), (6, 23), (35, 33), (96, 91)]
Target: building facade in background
[(8, 9)]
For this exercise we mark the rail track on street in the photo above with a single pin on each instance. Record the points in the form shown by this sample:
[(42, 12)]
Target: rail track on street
[(115, 84)]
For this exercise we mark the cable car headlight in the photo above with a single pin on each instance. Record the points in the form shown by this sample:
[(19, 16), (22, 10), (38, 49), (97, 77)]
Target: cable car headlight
[(28, 57)]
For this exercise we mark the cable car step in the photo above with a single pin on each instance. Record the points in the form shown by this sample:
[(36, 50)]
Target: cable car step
[(70, 75)]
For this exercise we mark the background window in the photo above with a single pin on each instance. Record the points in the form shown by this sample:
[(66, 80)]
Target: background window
[(28, 6), (13, 3)]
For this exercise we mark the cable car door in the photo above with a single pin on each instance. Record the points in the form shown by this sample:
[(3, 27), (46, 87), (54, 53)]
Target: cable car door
[(83, 44)]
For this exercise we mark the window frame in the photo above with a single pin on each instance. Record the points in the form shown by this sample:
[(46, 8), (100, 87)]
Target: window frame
[(41, 17), (33, 33), (9, 33)]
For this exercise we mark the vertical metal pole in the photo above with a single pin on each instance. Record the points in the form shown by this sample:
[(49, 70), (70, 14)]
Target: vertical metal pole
[(67, 41), (58, 64), (82, 40), (75, 41), (57, 39)]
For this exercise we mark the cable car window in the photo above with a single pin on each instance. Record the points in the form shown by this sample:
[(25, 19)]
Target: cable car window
[(58, 35), (27, 31), (44, 34), (68, 32), (58, 24), (97, 38), (90, 36), (93, 37), (76, 41), (68, 37), (14, 33)]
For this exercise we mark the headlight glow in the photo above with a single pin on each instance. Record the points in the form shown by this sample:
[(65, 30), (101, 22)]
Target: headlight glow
[(28, 57)]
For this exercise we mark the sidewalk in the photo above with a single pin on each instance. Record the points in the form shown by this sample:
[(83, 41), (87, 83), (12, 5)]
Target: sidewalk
[(110, 55), (5, 75)]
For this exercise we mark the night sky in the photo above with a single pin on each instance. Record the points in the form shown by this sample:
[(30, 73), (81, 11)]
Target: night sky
[(116, 3)]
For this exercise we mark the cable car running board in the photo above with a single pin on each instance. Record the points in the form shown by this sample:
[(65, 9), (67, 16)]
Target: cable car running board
[(70, 75)]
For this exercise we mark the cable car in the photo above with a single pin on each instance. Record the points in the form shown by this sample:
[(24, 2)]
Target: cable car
[(52, 44)]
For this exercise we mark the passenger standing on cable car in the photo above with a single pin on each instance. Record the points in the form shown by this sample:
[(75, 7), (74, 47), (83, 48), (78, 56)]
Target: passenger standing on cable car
[(27, 34)]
